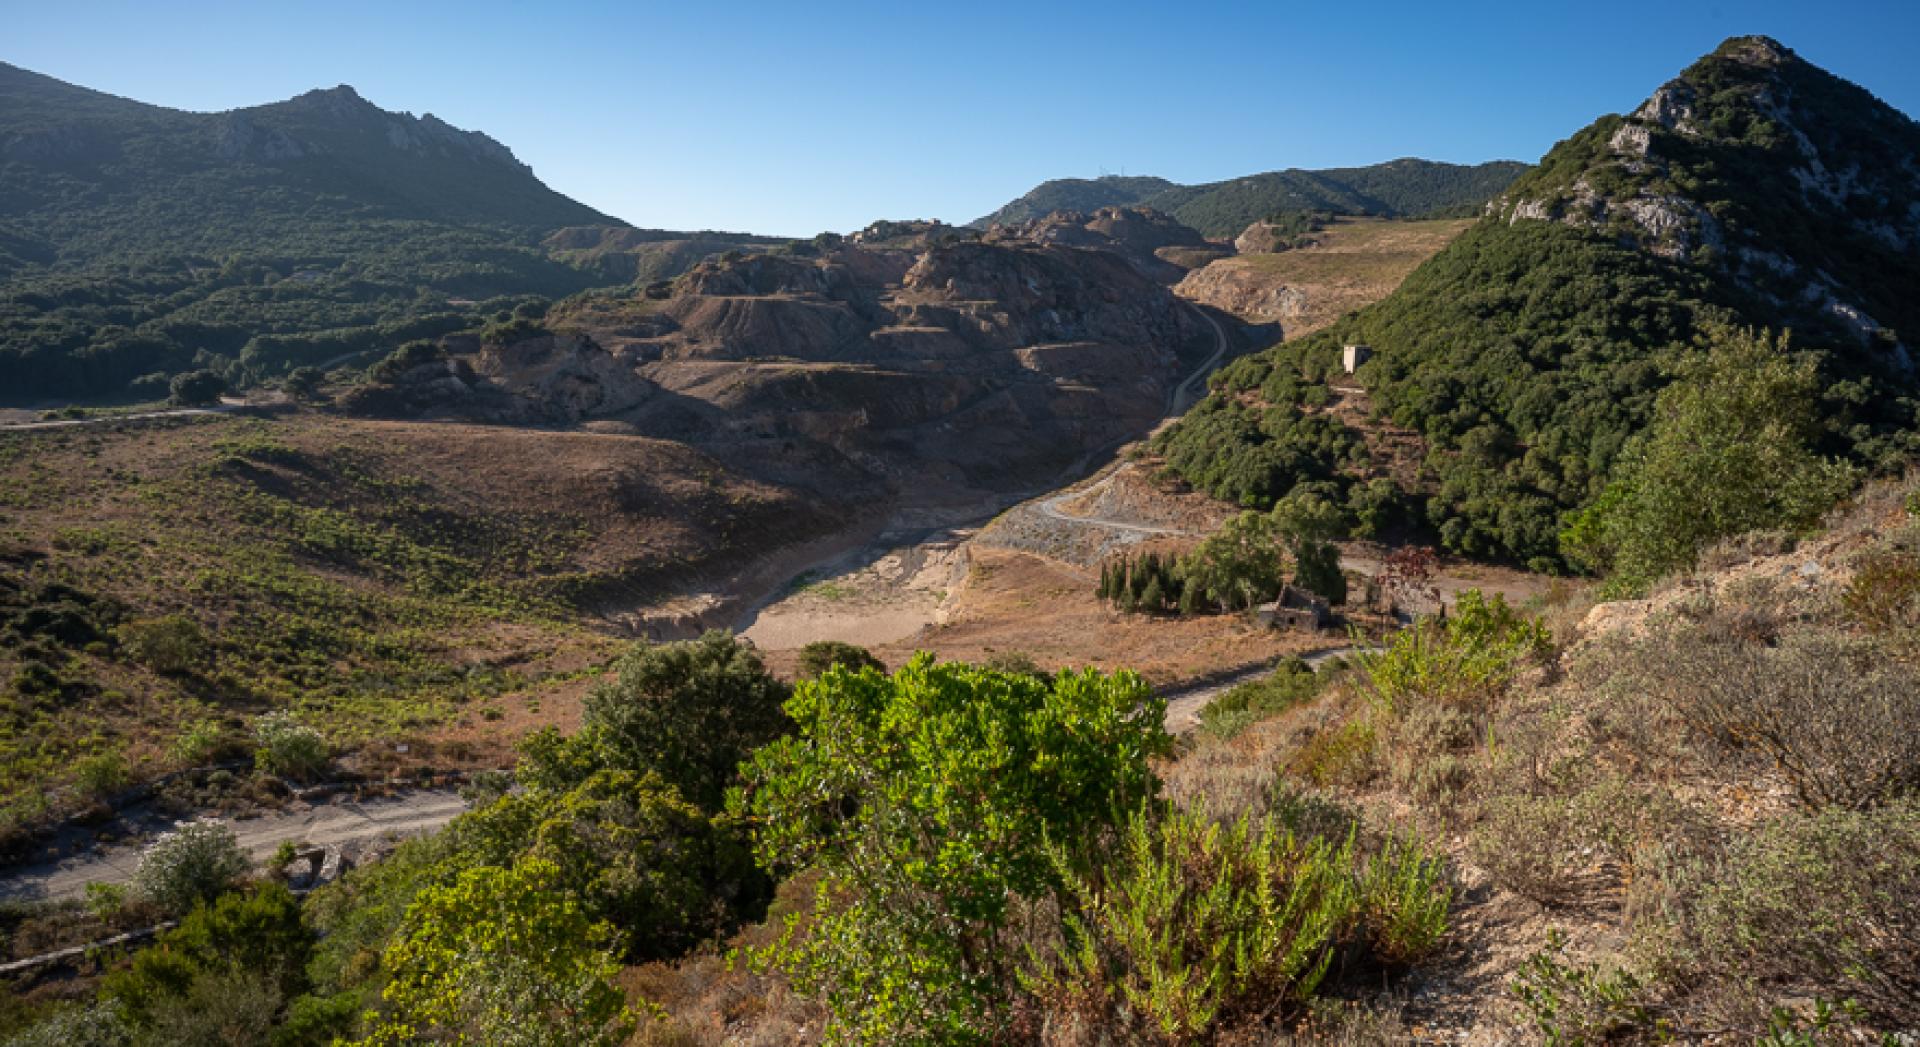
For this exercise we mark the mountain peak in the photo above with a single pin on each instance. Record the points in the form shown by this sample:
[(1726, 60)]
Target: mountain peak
[(1759, 51)]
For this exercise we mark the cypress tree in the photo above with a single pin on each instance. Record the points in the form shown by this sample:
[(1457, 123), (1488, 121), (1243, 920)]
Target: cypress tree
[(1189, 599), (1154, 599)]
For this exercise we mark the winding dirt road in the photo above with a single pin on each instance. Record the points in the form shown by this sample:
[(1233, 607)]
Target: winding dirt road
[(347, 824), (1185, 703)]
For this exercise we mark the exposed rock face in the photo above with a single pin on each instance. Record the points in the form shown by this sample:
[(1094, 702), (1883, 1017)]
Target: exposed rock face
[(566, 376), (552, 379), (1157, 245), (956, 365), (1800, 187), (241, 139), (1246, 293)]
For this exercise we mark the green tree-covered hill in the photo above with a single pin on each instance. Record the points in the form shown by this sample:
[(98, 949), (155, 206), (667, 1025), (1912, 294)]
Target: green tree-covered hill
[(141, 241), (1755, 190), (1398, 188)]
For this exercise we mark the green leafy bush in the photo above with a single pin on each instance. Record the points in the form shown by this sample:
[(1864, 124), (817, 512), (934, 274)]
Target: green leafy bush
[(928, 802), (820, 655), (173, 645), (225, 972), (288, 748), (501, 957), (689, 711), (102, 775), (197, 862), (1464, 659), (632, 852), (1292, 683), (1740, 411), (196, 388)]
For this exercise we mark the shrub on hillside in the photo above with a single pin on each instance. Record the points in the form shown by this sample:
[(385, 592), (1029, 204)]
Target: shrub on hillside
[(196, 388), (928, 802), (403, 359), (1821, 905), (1194, 927), (101, 775), (1292, 683), (633, 853), (196, 862), (77, 1025), (1884, 594), (173, 645), (1836, 716), (302, 383), (820, 655), (288, 748), (516, 329), (1465, 659), (223, 975), (1740, 413), (689, 711), (501, 957)]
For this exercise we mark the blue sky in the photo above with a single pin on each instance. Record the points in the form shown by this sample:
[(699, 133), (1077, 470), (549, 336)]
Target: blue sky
[(794, 117)]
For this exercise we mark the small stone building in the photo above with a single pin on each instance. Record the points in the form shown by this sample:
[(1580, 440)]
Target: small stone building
[(1296, 609), (1352, 356)]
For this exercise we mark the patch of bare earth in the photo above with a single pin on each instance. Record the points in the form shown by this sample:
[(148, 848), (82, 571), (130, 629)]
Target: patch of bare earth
[(1354, 263)]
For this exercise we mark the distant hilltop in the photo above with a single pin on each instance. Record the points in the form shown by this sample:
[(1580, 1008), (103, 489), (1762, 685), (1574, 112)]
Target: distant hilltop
[(1406, 188)]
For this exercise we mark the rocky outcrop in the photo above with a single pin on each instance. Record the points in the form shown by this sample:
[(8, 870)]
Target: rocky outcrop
[(1245, 292), (959, 364), (1155, 243), (1801, 188), (242, 139), (551, 379)]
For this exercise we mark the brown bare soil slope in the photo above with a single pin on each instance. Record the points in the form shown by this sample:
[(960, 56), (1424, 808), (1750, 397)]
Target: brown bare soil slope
[(1017, 603), (1356, 262), (381, 579)]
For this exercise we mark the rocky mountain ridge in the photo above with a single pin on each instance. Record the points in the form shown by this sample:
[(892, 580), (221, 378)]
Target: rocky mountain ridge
[(1801, 188), (1754, 190)]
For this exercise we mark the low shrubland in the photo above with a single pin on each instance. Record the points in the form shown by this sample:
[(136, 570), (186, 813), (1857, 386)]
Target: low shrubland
[(1712, 796)]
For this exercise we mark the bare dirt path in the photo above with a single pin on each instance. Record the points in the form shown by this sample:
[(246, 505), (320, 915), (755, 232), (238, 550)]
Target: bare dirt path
[(345, 823), (227, 405), (143, 416), (1184, 704)]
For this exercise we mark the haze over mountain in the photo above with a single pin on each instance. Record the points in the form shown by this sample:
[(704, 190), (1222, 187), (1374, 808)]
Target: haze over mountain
[(1398, 189), (1753, 189)]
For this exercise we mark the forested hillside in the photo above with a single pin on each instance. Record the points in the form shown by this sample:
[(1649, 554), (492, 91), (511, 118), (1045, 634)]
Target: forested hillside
[(1755, 190), (1398, 188), (137, 240)]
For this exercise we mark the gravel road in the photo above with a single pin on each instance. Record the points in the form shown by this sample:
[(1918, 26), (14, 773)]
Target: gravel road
[(346, 823)]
